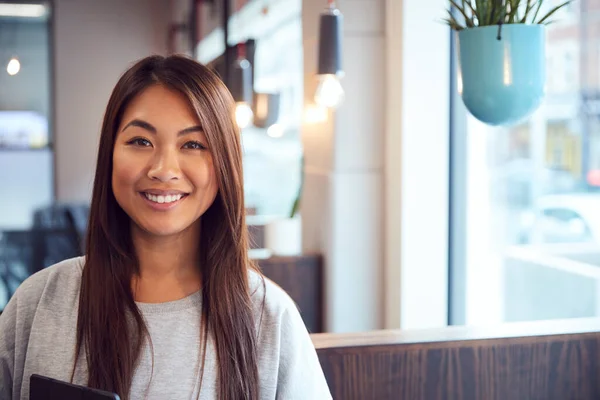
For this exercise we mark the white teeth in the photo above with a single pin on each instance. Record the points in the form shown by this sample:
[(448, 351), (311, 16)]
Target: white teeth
[(163, 199)]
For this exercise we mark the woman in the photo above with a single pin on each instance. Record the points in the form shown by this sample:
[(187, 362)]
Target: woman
[(166, 303)]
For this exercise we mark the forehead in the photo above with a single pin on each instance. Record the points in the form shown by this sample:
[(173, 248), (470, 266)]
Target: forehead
[(159, 104)]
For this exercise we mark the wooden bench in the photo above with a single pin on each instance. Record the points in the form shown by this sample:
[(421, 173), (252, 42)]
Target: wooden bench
[(537, 360)]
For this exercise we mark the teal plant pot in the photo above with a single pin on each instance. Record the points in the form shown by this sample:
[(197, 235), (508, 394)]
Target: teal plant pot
[(503, 81)]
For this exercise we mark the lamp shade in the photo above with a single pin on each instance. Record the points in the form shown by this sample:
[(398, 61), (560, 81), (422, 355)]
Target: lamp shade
[(240, 81), (330, 42), (266, 109)]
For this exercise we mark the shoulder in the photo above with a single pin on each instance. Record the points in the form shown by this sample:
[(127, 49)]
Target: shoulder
[(272, 305), (53, 285), (286, 351)]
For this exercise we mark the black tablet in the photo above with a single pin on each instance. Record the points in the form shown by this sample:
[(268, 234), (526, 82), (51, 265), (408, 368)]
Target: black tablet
[(44, 388)]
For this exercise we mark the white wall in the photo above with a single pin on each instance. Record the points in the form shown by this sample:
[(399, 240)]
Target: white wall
[(95, 41), (342, 209)]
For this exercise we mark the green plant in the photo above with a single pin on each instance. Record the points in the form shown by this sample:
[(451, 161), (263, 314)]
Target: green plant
[(296, 205), (475, 13)]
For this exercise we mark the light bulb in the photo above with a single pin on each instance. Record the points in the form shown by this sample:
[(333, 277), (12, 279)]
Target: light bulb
[(329, 92), (243, 115), (275, 131), (13, 67)]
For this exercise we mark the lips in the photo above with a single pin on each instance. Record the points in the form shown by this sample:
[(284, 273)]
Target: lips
[(161, 199), (160, 192)]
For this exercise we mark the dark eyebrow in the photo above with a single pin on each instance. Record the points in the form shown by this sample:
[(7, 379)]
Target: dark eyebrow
[(150, 128), (191, 129), (140, 124)]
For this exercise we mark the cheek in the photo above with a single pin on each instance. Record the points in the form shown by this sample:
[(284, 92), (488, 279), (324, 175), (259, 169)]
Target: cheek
[(126, 172), (203, 177)]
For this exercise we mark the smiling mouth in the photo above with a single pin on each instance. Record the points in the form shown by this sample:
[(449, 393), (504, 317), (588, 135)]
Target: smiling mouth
[(162, 199)]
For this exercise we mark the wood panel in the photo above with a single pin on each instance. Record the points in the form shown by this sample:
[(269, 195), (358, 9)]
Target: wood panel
[(552, 363), (301, 278)]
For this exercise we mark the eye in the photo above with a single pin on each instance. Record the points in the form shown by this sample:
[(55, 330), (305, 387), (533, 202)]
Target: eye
[(194, 146), (141, 142)]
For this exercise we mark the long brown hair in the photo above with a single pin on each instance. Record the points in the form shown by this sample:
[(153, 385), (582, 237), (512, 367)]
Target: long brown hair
[(111, 339)]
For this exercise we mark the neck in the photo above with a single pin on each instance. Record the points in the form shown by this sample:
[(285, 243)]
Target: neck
[(168, 265)]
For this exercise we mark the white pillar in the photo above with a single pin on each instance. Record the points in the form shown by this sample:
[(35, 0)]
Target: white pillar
[(342, 208), (416, 164)]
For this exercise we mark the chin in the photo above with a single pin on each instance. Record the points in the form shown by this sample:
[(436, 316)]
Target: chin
[(162, 232), (163, 228)]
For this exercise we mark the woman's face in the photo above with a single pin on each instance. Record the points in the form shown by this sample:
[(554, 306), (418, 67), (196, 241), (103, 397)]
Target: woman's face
[(163, 174)]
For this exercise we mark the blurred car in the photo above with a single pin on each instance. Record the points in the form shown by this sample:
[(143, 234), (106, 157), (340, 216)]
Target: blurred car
[(562, 218), (513, 181)]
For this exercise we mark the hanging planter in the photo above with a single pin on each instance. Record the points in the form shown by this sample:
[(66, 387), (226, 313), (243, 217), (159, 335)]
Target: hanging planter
[(501, 53), (502, 80)]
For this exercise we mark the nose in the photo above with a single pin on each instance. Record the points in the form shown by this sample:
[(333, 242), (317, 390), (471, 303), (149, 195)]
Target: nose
[(165, 166)]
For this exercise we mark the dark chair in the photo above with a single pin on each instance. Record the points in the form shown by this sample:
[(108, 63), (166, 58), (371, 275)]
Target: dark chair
[(57, 234), (73, 218), (16, 255), (23, 253)]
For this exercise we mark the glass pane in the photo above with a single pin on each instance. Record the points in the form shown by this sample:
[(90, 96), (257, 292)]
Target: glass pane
[(272, 156), (26, 178), (26, 155), (24, 78), (529, 236), (26, 161)]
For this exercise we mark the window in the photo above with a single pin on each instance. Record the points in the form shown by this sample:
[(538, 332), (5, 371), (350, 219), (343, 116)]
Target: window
[(525, 224), (272, 167), (26, 155), (557, 225), (272, 156)]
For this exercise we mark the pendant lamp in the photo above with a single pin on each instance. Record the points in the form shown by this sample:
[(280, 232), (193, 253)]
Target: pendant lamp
[(329, 91), (241, 88)]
